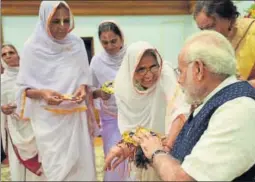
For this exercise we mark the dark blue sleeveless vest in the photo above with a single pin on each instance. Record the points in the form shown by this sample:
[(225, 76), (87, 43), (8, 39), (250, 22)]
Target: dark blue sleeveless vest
[(195, 127)]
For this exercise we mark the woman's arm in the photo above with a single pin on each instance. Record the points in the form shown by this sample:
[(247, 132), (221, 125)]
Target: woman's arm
[(51, 97), (96, 93), (34, 93), (175, 130)]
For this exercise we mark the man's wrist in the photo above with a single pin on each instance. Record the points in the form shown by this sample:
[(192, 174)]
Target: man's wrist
[(157, 153)]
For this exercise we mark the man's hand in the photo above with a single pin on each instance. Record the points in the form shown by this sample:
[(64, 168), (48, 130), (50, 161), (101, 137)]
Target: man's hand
[(148, 142)]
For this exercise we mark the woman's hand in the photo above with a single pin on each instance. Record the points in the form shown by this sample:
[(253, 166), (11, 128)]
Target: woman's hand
[(80, 94), (103, 95), (116, 155), (8, 108), (51, 97)]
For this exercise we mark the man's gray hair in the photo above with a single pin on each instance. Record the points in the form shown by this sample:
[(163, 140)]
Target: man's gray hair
[(214, 50)]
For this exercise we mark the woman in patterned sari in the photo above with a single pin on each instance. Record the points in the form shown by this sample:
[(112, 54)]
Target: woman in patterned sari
[(223, 17)]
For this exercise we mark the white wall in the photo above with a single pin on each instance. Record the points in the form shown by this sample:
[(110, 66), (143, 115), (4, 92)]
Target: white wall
[(242, 6), (166, 33)]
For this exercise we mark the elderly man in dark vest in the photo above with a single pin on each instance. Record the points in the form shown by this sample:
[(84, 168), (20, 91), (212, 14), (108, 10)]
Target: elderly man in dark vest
[(217, 141)]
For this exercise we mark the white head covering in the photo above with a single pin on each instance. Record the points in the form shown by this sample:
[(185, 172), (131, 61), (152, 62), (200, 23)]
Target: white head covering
[(113, 61), (104, 68), (143, 108), (20, 131), (10, 74), (62, 66), (46, 61)]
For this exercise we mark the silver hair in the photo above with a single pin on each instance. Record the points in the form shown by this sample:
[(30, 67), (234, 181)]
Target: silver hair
[(214, 50)]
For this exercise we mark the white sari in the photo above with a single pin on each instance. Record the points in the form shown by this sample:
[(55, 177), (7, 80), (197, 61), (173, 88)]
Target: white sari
[(61, 132), (147, 108), (20, 133)]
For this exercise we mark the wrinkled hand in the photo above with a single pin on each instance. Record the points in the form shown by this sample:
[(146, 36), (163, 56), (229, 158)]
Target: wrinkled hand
[(8, 108), (148, 142), (116, 155), (80, 94), (51, 97)]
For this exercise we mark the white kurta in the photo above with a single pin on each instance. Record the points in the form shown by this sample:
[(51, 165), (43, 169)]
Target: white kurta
[(226, 149)]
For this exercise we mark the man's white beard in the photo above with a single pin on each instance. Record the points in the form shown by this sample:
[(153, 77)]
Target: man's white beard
[(190, 100)]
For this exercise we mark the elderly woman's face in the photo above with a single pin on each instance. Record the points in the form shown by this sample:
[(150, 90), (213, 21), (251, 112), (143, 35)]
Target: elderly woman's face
[(205, 22), (147, 71), (10, 56), (60, 23)]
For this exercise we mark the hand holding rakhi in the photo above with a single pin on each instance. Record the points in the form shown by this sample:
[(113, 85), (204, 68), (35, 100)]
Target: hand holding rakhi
[(107, 90), (148, 142), (104, 95), (51, 97), (80, 94), (117, 155)]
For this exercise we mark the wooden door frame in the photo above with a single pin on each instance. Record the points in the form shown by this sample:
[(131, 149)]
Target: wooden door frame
[(104, 7)]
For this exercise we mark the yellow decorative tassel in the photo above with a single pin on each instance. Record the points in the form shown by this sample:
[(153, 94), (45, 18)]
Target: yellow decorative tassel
[(66, 111)]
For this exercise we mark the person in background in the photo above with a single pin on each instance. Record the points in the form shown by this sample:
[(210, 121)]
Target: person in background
[(104, 67), (4, 159), (223, 17), (54, 77), (21, 144)]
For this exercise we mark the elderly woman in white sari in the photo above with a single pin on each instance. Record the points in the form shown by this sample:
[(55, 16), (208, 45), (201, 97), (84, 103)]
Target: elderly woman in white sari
[(144, 87), (54, 74), (20, 143), (104, 67)]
